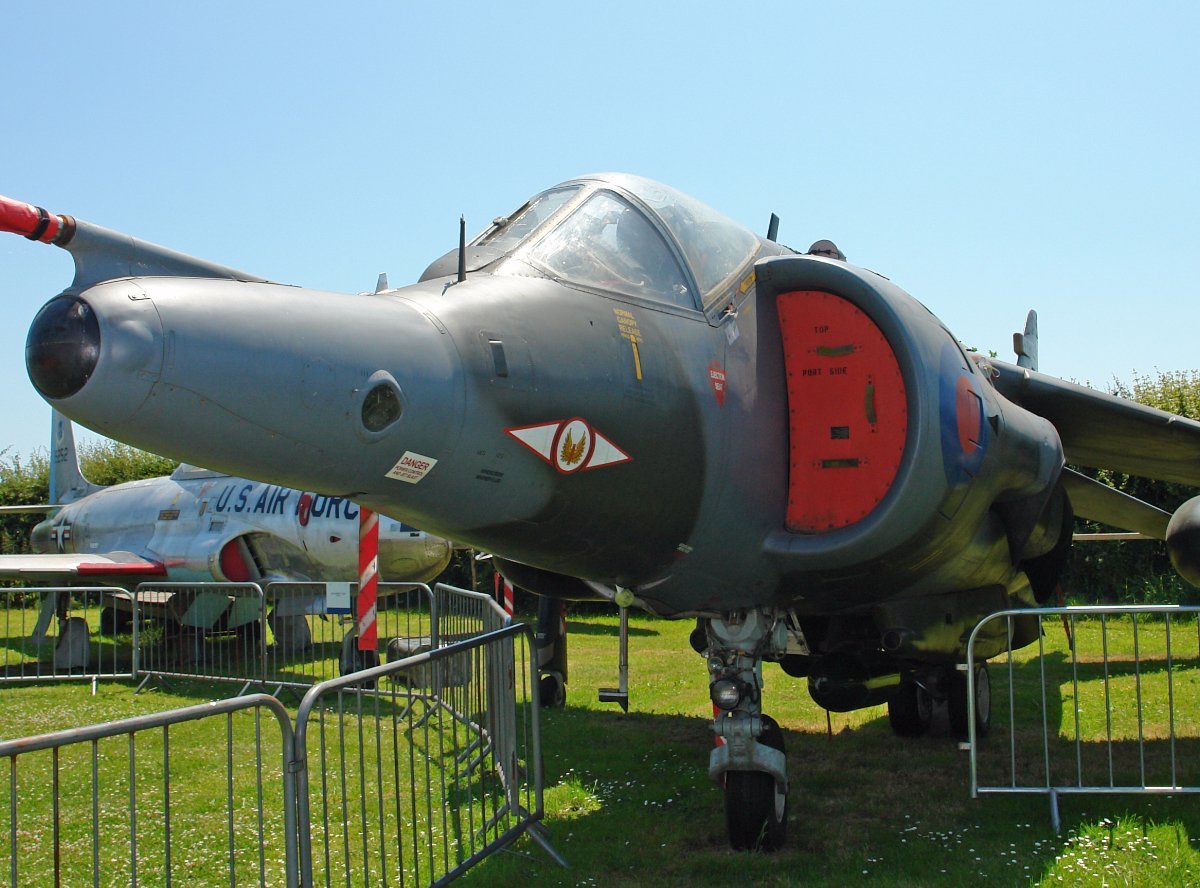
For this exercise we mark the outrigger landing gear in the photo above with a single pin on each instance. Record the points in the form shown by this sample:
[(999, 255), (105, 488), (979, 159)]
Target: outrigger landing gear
[(748, 760)]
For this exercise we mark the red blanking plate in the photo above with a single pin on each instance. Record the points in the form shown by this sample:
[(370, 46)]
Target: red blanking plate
[(847, 411)]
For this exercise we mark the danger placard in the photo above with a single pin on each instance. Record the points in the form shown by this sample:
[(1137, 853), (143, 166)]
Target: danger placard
[(412, 467)]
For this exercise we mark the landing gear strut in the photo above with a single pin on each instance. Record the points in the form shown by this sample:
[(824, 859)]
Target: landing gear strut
[(748, 760), (551, 643)]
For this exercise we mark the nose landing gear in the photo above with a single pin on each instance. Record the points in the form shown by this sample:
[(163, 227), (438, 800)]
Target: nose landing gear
[(756, 802), (748, 760)]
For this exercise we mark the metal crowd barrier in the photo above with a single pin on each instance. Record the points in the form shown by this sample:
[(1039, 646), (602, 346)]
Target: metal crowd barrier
[(405, 773), (282, 635), (313, 629), (211, 631), (462, 613), (420, 767), (59, 632), (313, 636), (1109, 709), (106, 805)]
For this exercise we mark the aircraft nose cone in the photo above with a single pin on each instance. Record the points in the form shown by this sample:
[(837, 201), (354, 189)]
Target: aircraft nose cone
[(96, 355), (63, 347)]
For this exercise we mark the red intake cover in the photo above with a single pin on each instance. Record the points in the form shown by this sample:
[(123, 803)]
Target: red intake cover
[(233, 564), (847, 411)]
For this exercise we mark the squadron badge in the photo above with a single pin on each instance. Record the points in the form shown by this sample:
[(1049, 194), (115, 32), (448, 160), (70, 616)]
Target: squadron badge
[(569, 445)]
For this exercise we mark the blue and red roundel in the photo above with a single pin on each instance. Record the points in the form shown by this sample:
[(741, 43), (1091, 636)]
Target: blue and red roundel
[(964, 426)]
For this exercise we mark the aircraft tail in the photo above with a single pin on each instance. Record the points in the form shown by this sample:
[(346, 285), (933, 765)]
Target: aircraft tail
[(1026, 344), (66, 480)]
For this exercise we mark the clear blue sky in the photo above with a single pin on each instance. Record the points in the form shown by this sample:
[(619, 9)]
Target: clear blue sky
[(989, 158)]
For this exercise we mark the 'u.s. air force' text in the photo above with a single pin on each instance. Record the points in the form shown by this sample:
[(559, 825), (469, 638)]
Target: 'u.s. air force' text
[(272, 500)]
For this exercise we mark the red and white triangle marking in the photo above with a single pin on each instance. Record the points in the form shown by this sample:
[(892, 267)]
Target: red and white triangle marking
[(570, 445)]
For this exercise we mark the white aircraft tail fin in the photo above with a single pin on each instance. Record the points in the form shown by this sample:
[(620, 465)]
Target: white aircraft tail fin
[(66, 480)]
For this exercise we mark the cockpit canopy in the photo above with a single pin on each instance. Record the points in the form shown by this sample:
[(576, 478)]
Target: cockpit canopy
[(617, 232)]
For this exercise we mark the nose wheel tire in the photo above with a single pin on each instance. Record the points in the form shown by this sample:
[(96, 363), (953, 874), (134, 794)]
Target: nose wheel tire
[(755, 809), (354, 660), (551, 691), (114, 621)]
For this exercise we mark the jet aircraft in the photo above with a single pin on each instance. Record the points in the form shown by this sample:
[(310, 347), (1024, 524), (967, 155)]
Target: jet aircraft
[(201, 526), (623, 394)]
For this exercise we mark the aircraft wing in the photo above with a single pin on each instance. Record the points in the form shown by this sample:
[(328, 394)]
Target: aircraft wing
[(1105, 432), (65, 568), (1096, 501)]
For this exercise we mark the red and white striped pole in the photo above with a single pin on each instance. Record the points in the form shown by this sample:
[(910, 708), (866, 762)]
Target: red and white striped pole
[(368, 577), (504, 593)]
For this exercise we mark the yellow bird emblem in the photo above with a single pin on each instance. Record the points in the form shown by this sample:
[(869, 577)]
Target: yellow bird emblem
[(572, 451)]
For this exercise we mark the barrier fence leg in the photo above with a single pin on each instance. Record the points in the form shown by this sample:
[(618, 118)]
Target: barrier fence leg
[(620, 694), (539, 835)]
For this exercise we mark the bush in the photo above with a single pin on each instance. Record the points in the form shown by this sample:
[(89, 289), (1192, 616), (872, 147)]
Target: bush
[(26, 481), (21, 483), (111, 462)]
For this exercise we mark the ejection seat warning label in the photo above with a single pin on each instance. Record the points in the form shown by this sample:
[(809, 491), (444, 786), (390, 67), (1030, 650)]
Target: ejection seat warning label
[(412, 467), (337, 598)]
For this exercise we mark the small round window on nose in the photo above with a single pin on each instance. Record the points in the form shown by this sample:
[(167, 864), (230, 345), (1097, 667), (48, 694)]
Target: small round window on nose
[(381, 407)]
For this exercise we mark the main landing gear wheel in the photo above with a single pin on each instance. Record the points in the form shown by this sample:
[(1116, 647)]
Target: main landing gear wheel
[(755, 810), (957, 703), (551, 690), (114, 621), (354, 660), (910, 710)]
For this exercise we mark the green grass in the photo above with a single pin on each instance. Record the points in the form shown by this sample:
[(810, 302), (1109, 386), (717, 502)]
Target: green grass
[(628, 800), (198, 788)]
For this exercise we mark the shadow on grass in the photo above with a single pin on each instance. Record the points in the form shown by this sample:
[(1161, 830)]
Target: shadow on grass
[(577, 628), (629, 800)]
